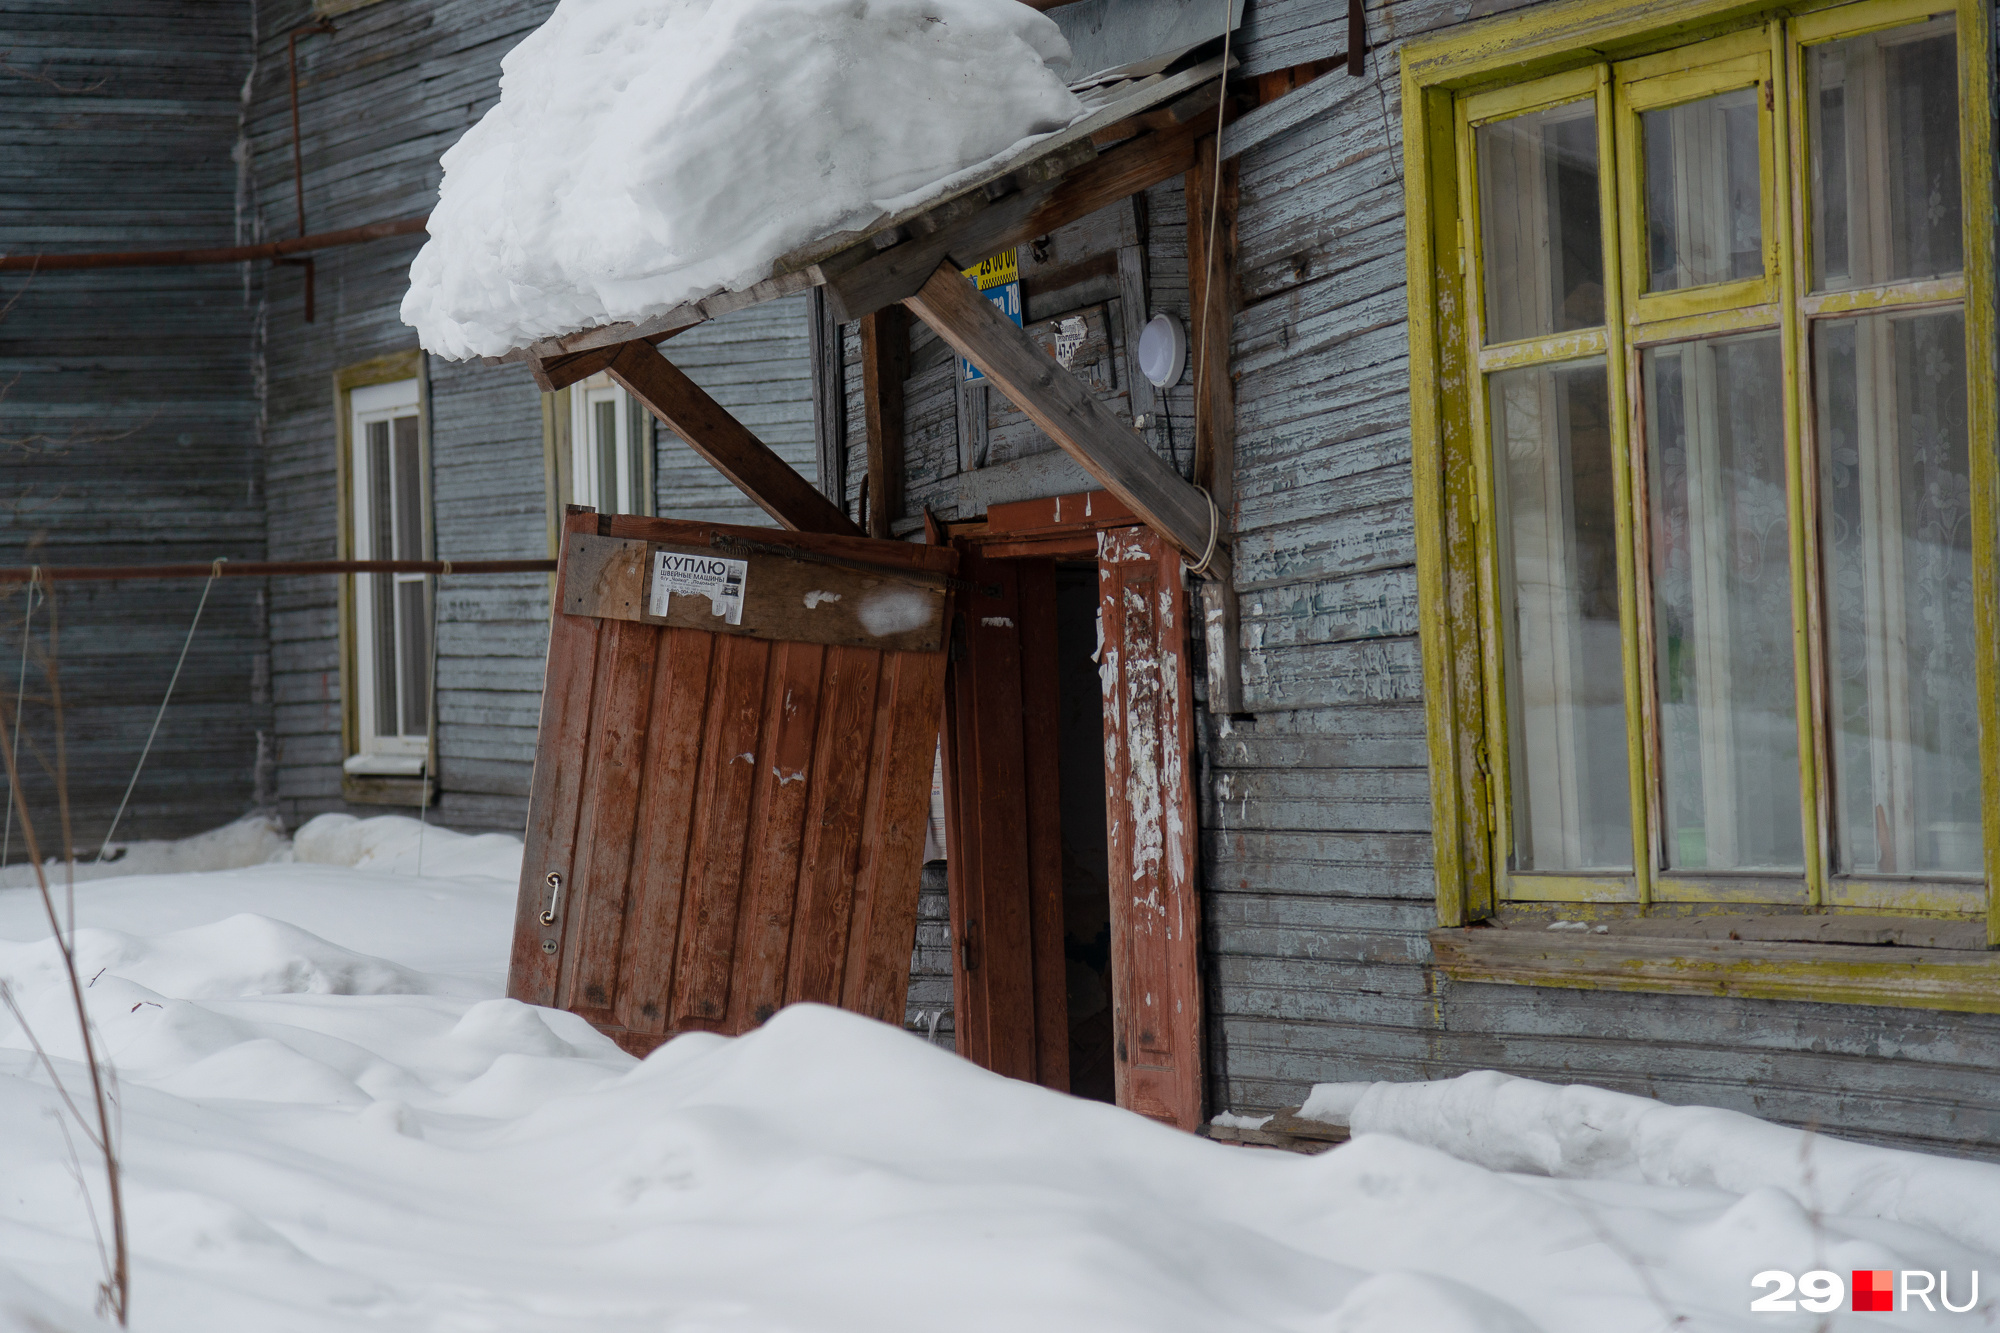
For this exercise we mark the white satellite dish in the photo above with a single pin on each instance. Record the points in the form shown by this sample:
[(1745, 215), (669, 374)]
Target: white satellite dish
[(1163, 350)]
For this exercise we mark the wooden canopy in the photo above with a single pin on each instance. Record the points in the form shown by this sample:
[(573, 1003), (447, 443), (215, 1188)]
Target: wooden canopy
[(1138, 133)]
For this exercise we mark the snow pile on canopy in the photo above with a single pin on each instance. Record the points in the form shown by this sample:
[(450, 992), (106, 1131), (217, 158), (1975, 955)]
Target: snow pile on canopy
[(331, 1121), (649, 152)]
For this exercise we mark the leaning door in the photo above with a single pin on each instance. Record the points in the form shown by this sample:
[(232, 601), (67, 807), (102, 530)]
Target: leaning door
[(1150, 820), (731, 777)]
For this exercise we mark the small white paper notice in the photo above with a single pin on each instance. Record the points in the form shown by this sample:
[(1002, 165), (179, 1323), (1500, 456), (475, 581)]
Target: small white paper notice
[(719, 580)]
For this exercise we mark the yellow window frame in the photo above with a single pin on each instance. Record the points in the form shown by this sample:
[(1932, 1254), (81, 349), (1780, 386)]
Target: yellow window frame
[(1636, 59)]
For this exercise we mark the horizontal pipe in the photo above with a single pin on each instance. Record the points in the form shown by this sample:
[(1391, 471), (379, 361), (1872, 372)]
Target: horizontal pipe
[(235, 254), (253, 569)]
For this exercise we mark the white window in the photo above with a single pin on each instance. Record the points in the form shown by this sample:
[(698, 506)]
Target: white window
[(610, 449), (392, 612)]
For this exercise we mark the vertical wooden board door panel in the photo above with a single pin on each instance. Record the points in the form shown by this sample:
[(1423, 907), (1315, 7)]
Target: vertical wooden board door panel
[(1151, 828), (725, 820), (1010, 1008)]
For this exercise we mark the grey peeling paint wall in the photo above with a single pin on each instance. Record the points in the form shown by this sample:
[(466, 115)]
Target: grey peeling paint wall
[(128, 428), (380, 100), (1319, 888), (756, 363)]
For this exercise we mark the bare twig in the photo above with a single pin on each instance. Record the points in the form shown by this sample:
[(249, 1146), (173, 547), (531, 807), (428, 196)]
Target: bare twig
[(114, 1292), (48, 1066)]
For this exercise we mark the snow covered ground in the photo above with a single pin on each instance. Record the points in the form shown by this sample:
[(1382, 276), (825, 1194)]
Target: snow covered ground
[(332, 1121)]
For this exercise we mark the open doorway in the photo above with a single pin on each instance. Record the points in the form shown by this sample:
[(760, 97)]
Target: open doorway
[(1086, 884), (1069, 807)]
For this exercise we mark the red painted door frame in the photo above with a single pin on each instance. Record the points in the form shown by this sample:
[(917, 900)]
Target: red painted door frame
[(1002, 814)]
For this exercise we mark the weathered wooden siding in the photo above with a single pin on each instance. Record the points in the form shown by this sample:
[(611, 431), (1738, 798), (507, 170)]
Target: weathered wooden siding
[(966, 447), (128, 427), (1316, 809), (379, 101), (756, 363)]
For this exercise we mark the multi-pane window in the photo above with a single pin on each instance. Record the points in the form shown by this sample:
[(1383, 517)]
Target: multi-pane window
[(610, 449), (1716, 310), (392, 612)]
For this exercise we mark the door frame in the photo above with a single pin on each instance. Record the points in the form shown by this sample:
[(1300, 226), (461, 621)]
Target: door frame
[(1065, 527)]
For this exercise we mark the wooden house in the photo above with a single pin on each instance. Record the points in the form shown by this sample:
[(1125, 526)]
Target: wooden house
[(1592, 674)]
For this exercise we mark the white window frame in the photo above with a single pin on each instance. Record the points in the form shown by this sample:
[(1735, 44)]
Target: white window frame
[(630, 491), (403, 754)]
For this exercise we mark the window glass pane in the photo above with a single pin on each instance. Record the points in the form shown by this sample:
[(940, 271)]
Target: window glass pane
[(379, 497), (409, 492), (1704, 205), (638, 437), (604, 434), (1722, 599), (1884, 132), (1565, 700), (412, 615), (1897, 525), (1544, 254)]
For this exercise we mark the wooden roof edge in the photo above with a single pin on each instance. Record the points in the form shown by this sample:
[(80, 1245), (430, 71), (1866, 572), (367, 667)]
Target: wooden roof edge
[(1035, 163)]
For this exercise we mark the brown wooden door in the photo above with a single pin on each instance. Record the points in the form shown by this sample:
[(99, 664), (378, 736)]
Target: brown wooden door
[(1149, 761), (1009, 997), (729, 817)]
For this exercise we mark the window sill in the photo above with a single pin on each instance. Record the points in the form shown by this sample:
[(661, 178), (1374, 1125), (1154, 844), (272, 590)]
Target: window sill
[(1958, 979), (372, 789), (385, 765)]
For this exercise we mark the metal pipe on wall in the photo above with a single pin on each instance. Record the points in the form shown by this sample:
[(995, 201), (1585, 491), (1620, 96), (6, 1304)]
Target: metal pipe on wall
[(249, 569), (229, 254)]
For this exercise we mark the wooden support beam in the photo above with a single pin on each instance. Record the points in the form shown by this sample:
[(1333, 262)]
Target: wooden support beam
[(892, 275), (885, 364), (567, 368), (725, 442), (1107, 447), (1211, 300), (1211, 201)]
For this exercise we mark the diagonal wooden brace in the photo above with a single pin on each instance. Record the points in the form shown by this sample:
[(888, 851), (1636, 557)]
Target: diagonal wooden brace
[(725, 442), (1108, 448)]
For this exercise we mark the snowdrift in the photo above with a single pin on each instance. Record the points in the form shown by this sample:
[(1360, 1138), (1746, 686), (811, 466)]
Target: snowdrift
[(649, 152), (332, 1121)]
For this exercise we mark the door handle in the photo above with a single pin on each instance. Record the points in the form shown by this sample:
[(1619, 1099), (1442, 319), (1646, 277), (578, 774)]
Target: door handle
[(554, 880)]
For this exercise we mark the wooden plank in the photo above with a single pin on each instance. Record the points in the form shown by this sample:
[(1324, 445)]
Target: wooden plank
[(885, 277), (1211, 193), (603, 577), (1134, 302), (825, 345), (1040, 692), (788, 595), (991, 869), (550, 844), (830, 861), (666, 814), (898, 806), (1966, 981), (609, 810), (885, 364), (1065, 409), (722, 804), (772, 865), (709, 429), (1085, 509), (1151, 820)]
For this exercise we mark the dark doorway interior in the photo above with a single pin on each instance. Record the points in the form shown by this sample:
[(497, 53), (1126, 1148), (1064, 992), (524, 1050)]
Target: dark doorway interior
[(1085, 877)]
